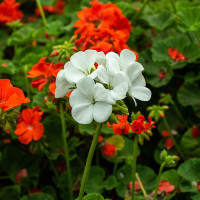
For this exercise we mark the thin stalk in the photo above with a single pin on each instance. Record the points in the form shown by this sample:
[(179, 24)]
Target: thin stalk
[(178, 112), (69, 178), (41, 12), (134, 166), (26, 81), (115, 168), (173, 5), (141, 185), (173, 139), (89, 161), (158, 181)]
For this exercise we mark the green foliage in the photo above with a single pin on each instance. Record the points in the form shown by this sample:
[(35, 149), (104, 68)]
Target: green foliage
[(10, 192), (37, 197)]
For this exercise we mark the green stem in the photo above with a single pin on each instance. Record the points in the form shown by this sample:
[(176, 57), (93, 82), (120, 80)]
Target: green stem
[(26, 81), (115, 168), (158, 180), (173, 5), (41, 12), (66, 152), (173, 139), (141, 185), (89, 161), (134, 166), (178, 112)]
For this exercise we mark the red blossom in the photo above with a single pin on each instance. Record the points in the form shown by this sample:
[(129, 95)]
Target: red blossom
[(21, 174), (195, 131), (109, 150), (122, 127), (9, 11), (168, 143), (140, 125), (175, 55), (165, 186), (137, 186)]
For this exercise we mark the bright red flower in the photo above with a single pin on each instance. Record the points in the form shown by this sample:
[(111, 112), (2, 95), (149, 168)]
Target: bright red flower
[(140, 125), (21, 174), (109, 150), (10, 96), (195, 131), (29, 127), (102, 27), (175, 55), (166, 186), (9, 11), (46, 72), (122, 127), (57, 9), (165, 133), (168, 143)]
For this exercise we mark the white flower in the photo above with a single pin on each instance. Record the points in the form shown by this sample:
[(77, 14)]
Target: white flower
[(132, 70), (117, 85), (89, 101), (80, 66), (62, 85)]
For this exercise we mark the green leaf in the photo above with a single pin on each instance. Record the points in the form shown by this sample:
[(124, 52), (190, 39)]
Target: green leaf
[(37, 196), (38, 100), (195, 197), (93, 196), (48, 2), (189, 20), (147, 176), (160, 21), (110, 183), (7, 67), (10, 192), (117, 140), (87, 128), (171, 176), (189, 170), (188, 95), (55, 28), (123, 174), (127, 9), (95, 180)]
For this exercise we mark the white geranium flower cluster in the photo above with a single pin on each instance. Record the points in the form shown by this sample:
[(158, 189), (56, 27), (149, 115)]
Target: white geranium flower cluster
[(95, 91)]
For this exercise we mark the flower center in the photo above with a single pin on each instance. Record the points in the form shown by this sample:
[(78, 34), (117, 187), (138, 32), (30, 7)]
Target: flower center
[(30, 127)]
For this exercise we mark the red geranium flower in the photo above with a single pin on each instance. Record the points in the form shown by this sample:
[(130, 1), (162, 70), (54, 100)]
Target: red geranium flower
[(137, 186), (166, 186), (46, 72), (29, 127), (21, 174), (58, 9), (109, 150), (175, 55), (10, 96), (9, 11), (102, 27), (122, 127), (140, 125), (195, 131)]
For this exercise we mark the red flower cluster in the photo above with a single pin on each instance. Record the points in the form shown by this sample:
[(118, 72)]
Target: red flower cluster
[(175, 55), (10, 96), (102, 27), (165, 186), (46, 72), (109, 150), (29, 127), (9, 11), (140, 125), (195, 131), (58, 9), (122, 126), (137, 186)]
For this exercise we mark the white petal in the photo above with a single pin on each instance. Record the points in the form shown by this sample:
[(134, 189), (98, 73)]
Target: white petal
[(93, 75), (127, 57), (139, 81), (113, 66), (73, 74), (101, 58), (102, 75), (77, 98), (84, 60), (113, 55), (83, 113), (110, 100), (141, 93), (100, 93), (85, 86), (102, 111), (133, 73)]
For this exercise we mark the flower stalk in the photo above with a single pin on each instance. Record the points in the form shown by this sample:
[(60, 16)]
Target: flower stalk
[(173, 139), (135, 147), (89, 160), (69, 178), (158, 180), (141, 185), (42, 12)]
